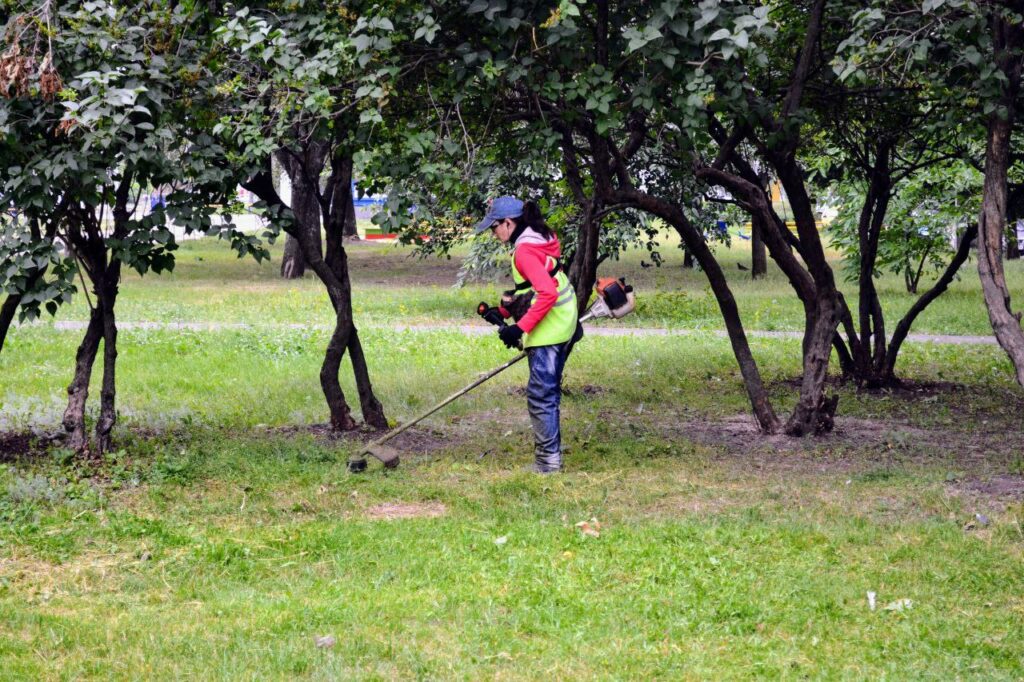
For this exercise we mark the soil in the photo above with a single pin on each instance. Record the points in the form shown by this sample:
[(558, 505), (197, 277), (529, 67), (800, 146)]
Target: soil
[(986, 462), (369, 263), (1005, 488), (21, 445), (907, 389), (853, 444), (390, 511), (916, 390), (416, 440)]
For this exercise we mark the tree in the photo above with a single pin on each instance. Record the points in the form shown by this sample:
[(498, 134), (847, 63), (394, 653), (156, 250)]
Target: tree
[(130, 119), (890, 144), (973, 52), (1007, 34), (305, 87)]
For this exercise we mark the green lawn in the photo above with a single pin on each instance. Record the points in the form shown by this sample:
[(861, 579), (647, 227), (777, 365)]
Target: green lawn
[(223, 536), (393, 286)]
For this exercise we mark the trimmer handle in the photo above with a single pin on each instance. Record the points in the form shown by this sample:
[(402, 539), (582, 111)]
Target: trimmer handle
[(491, 314)]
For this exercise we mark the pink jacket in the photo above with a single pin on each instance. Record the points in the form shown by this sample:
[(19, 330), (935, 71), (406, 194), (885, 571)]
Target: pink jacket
[(534, 258)]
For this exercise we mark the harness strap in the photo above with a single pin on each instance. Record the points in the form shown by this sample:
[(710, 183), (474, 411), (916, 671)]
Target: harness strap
[(522, 286)]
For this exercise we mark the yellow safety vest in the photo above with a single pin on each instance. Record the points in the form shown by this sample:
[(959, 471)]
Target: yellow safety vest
[(559, 324)]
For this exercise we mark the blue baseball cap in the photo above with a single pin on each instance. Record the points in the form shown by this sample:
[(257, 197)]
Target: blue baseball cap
[(501, 208)]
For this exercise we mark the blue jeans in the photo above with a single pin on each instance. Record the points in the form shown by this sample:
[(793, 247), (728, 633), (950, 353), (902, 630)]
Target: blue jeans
[(543, 398)]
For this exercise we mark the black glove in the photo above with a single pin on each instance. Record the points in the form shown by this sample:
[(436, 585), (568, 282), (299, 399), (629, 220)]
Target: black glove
[(511, 335)]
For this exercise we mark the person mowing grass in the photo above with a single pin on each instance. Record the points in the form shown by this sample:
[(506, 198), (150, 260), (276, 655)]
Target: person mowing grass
[(543, 305)]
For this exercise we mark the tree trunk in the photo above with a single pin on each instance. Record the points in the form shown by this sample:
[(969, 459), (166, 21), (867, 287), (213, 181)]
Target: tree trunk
[(758, 253), (687, 259), (373, 411), (331, 268), (694, 241), (846, 349), (351, 225), (7, 313), (10, 307), (78, 390), (309, 209), (814, 413), (899, 334), (869, 358), (302, 174), (338, 211), (293, 265), (107, 295), (759, 401), (583, 270), (341, 414), (1006, 324), (584, 260), (843, 353)]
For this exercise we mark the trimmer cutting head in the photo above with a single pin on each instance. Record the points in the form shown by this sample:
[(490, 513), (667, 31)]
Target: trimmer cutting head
[(388, 455)]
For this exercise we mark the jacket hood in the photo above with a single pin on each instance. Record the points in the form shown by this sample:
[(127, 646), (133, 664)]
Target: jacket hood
[(535, 239)]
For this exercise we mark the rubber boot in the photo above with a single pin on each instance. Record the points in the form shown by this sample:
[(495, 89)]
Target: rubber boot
[(547, 462)]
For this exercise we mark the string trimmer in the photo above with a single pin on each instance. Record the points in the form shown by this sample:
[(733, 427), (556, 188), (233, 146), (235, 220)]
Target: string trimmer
[(615, 299)]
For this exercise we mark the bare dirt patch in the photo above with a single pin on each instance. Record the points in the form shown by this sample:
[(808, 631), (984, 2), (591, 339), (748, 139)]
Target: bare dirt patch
[(1001, 488), (390, 511), (906, 389), (21, 445), (417, 440), (739, 435), (918, 390), (859, 448), (372, 263)]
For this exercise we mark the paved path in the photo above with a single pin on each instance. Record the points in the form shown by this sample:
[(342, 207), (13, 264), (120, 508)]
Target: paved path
[(476, 329)]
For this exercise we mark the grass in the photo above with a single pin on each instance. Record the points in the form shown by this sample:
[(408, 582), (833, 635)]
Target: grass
[(392, 286), (222, 536), (230, 554)]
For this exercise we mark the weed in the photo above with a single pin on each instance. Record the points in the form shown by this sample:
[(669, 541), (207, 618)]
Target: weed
[(34, 489)]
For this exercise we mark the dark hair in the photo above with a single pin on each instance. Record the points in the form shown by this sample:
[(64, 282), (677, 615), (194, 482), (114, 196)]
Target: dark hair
[(532, 218)]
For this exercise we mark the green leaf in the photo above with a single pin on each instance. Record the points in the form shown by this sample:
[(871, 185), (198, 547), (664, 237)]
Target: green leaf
[(362, 42), (707, 15)]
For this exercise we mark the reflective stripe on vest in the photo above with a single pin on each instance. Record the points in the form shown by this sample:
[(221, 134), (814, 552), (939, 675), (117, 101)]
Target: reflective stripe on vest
[(559, 324), (564, 295)]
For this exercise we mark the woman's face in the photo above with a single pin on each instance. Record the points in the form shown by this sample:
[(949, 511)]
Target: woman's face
[(503, 229)]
